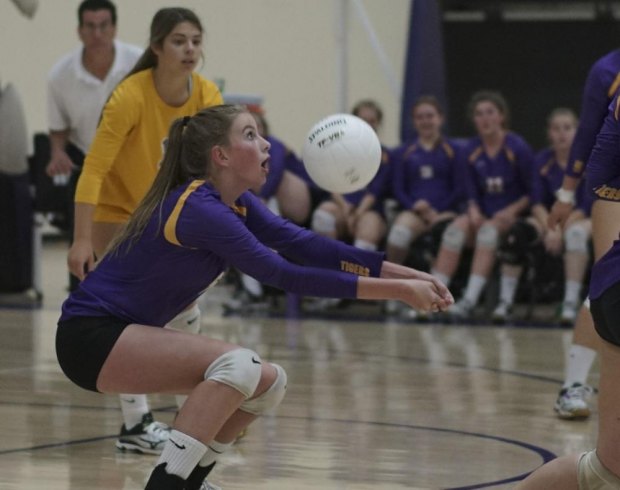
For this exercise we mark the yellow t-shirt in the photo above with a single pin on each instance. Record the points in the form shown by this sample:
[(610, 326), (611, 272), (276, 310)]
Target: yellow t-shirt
[(124, 157)]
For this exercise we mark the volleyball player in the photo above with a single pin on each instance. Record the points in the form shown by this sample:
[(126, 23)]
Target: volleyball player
[(601, 85), (571, 242), (424, 184), (197, 219), (496, 170)]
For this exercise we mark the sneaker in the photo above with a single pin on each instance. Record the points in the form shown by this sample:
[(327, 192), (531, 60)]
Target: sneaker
[(147, 437), (569, 313), (392, 307), (501, 313), (209, 486), (319, 305), (461, 309), (572, 402)]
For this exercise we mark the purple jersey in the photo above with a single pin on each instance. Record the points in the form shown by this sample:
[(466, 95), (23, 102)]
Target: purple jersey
[(600, 87), (606, 272), (496, 182), (280, 159), (547, 179), (427, 174), (379, 186), (170, 265), (603, 171)]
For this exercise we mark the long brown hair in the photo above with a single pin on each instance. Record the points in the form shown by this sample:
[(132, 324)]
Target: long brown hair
[(187, 156), (164, 21)]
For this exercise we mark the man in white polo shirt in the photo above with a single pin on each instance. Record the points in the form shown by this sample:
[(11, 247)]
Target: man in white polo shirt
[(79, 85)]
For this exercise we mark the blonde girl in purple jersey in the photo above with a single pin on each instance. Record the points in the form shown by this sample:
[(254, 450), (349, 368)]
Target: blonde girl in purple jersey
[(199, 218), (424, 184), (496, 170)]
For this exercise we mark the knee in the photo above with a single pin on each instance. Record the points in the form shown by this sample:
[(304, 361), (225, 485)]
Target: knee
[(487, 236), (400, 236), (239, 368), (576, 239), (271, 398), (323, 222), (453, 238)]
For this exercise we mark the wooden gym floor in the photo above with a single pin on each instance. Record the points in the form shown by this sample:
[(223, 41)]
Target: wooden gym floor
[(371, 404)]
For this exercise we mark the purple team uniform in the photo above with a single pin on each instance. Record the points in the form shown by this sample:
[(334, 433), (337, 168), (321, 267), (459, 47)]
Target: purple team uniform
[(605, 295), (427, 174), (495, 183), (603, 170), (601, 85), (179, 256), (379, 186), (165, 272), (547, 179)]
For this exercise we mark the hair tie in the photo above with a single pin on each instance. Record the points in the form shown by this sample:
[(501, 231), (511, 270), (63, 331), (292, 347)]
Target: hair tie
[(186, 120)]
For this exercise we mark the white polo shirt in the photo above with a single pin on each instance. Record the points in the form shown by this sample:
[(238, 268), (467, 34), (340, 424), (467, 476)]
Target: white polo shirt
[(75, 97)]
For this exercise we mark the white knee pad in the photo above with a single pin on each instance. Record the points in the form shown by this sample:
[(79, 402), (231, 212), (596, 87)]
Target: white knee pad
[(592, 474), (271, 398), (586, 302), (453, 238), (576, 239), (487, 236), (323, 222), (187, 321), (239, 368), (400, 236)]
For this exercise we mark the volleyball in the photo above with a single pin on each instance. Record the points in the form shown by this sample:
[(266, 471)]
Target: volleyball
[(342, 153)]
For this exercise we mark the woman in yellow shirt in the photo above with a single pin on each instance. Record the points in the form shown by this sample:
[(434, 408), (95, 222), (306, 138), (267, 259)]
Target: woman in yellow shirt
[(122, 162), (121, 165)]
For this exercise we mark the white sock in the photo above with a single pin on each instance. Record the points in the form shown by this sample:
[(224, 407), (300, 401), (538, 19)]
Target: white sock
[(214, 451), (187, 321), (508, 287), (578, 363), (364, 245), (251, 285), (474, 288), (442, 277), (133, 407), (572, 291), (181, 454)]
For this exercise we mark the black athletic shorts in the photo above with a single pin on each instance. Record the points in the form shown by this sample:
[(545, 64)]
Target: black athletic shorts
[(83, 344), (606, 314)]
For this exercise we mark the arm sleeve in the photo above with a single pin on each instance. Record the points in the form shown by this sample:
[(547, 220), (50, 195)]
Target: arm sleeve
[(593, 110), (605, 158), (399, 183), (379, 186), (223, 233), (537, 189), (307, 248), (120, 115)]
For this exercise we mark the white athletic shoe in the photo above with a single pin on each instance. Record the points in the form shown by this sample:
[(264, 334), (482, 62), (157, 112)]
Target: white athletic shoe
[(393, 307), (569, 313), (572, 402), (209, 486), (148, 437), (319, 305), (502, 312), (461, 309)]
